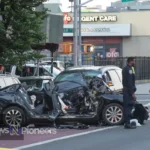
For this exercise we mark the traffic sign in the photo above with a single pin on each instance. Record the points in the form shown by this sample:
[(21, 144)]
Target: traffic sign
[(124, 1)]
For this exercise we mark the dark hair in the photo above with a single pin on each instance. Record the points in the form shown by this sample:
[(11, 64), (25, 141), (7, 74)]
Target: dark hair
[(130, 59)]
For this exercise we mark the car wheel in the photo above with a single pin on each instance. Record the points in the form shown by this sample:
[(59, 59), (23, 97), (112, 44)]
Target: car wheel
[(113, 114), (14, 116)]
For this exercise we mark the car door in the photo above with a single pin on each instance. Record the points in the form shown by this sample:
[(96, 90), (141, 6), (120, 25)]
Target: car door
[(115, 79)]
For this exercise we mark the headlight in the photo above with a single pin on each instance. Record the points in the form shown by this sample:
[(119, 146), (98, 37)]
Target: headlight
[(61, 95)]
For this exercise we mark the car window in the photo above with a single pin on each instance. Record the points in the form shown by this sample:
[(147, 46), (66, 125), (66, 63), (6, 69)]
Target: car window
[(43, 72), (114, 76), (55, 71), (107, 77), (54, 64), (76, 77), (90, 74), (28, 71), (37, 85), (2, 83), (18, 72)]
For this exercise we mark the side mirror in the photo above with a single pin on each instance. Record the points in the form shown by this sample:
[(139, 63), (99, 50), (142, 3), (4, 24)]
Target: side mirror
[(110, 83)]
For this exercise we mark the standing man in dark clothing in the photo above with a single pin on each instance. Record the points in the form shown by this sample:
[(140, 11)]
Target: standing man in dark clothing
[(128, 91)]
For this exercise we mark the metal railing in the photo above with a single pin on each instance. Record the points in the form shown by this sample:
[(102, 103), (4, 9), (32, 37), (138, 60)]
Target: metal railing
[(142, 67)]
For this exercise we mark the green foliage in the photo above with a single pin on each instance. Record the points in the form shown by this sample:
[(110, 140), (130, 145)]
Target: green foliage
[(20, 28)]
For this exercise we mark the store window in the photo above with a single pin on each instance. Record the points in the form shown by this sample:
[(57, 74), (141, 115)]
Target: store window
[(116, 46)]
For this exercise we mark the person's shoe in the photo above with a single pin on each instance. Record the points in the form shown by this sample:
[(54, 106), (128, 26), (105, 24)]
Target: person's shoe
[(133, 125), (130, 126)]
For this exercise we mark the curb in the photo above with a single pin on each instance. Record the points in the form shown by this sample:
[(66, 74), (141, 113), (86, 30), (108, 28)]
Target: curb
[(142, 81)]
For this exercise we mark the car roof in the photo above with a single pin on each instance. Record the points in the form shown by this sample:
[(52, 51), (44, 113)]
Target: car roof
[(84, 68), (103, 68), (36, 77)]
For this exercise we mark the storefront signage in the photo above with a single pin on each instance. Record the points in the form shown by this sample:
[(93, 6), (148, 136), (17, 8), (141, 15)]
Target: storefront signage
[(99, 47), (100, 30), (67, 18), (68, 30), (102, 18), (99, 18), (112, 53)]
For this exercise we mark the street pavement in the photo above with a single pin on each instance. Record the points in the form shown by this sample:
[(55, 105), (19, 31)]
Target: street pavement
[(112, 139), (143, 89)]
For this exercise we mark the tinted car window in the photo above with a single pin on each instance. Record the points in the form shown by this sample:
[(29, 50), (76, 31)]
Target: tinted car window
[(25, 71), (90, 74), (54, 64), (107, 77), (55, 71), (70, 76)]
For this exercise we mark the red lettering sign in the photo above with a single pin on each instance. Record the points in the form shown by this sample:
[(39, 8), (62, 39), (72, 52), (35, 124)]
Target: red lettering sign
[(112, 53), (67, 18)]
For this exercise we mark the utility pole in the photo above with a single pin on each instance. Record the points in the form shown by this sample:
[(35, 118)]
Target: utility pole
[(77, 31), (80, 37), (75, 36)]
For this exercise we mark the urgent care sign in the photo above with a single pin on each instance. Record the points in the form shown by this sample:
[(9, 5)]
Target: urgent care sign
[(101, 18)]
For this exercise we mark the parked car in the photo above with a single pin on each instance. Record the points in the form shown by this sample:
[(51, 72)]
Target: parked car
[(111, 74), (57, 64), (104, 106), (7, 80), (31, 70)]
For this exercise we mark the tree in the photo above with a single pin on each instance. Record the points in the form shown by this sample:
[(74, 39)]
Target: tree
[(20, 28)]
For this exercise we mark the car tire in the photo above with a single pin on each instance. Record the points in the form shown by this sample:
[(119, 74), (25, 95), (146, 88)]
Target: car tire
[(17, 113), (113, 114)]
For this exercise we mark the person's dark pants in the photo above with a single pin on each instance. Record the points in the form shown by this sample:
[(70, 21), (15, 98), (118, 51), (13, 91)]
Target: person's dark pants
[(128, 106)]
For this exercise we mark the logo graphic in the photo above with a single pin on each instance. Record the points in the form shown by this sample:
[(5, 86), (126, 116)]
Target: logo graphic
[(14, 130), (112, 53), (67, 18)]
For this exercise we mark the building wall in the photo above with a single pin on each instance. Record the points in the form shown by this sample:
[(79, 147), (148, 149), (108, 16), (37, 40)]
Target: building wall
[(136, 46), (138, 19)]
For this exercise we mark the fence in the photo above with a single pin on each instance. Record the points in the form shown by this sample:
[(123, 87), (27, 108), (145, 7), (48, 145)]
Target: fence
[(142, 66)]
